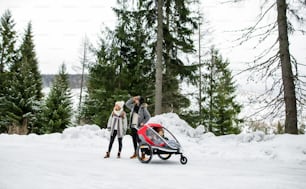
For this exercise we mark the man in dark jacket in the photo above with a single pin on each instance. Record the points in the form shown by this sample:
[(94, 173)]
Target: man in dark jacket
[(138, 117)]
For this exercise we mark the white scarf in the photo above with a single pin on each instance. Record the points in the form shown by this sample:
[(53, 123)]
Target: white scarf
[(118, 113)]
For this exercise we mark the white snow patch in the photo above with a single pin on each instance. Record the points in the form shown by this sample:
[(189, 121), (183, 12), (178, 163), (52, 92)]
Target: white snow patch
[(74, 159)]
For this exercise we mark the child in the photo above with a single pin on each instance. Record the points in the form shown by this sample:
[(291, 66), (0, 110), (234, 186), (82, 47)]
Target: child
[(117, 124)]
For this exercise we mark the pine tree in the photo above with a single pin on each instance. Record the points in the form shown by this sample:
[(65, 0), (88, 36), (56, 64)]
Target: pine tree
[(178, 28), (126, 57), (28, 55), (123, 68), (20, 103), (103, 85), (133, 58), (7, 41), (57, 111), (221, 108), (23, 89), (8, 55)]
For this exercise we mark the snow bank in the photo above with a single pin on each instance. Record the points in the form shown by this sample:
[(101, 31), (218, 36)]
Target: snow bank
[(178, 126), (197, 145), (245, 146), (86, 131), (257, 136)]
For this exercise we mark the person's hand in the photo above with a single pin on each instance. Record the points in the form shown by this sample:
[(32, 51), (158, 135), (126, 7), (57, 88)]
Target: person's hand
[(141, 124), (135, 98)]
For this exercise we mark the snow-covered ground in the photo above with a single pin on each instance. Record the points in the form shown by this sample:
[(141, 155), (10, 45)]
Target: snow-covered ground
[(74, 160)]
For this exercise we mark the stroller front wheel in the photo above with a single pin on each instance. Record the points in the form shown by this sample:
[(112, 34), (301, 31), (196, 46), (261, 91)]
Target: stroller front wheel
[(183, 160), (144, 153)]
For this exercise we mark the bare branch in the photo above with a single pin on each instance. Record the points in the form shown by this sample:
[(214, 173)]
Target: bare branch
[(248, 35)]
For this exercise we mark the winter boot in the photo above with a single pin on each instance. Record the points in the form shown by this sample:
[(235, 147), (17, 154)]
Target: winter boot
[(143, 157), (107, 155), (118, 155), (133, 156)]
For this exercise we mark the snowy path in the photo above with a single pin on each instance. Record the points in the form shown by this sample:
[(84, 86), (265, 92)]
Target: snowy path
[(42, 164), (74, 160)]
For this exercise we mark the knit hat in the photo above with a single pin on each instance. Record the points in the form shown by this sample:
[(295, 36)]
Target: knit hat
[(120, 104)]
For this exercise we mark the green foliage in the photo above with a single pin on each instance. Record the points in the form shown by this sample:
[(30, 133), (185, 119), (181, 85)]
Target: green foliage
[(22, 88), (7, 41), (179, 26), (125, 59), (28, 55), (57, 110), (102, 94), (8, 55), (21, 103), (222, 110), (123, 68)]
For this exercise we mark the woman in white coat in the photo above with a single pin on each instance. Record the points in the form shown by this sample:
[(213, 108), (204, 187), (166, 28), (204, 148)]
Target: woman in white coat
[(117, 125)]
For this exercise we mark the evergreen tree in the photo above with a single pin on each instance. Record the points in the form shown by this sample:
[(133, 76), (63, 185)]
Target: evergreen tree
[(104, 84), (57, 111), (133, 58), (178, 28), (123, 68), (23, 89), (28, 55), (8, 55), (126, 57), (21, 102), (7, 41), (221, 108), (104, 87)]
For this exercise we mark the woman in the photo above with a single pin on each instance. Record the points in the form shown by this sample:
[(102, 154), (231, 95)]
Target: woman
[(117, 124), (138, 117)]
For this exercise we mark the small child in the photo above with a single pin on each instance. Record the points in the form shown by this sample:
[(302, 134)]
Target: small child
[(117, 124)]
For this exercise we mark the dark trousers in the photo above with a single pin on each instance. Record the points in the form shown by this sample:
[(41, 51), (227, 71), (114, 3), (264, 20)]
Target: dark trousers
[(135, 138), (112, 141)]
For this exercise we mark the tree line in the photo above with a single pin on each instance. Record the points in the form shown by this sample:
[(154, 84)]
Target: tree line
[(126, 64), (145, 54), (23, 108)]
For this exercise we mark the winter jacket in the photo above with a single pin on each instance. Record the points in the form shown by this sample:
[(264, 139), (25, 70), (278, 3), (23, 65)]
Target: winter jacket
[(121, 121), (143, 113)]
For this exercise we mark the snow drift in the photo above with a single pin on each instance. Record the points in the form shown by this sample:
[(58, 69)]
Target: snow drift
[(74, 159)]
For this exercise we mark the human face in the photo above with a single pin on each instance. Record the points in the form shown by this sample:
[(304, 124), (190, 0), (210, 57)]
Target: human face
[(137, 101), (117, 107)]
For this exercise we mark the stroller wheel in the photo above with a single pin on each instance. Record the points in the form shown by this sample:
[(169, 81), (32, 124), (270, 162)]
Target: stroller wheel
[(164, 156), (183, 160), (144, 153)]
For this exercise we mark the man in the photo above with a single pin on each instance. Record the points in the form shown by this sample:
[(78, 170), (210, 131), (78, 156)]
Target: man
[(138, 117)]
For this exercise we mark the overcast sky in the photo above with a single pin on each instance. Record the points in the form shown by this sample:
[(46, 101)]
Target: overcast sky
[(59, 27)]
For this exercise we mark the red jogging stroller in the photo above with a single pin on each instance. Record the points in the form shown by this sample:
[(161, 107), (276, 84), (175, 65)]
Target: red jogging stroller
[(157, 140)]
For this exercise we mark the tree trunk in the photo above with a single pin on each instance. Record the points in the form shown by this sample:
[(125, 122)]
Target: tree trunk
[(82, 78), (210, 90), (13, 129), (200, 70), (19, 129), (159, 59), (287, 74), (24, 127)]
